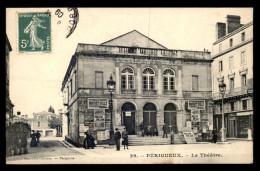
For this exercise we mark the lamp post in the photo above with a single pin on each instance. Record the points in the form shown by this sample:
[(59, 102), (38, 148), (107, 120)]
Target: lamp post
[(111, 87), (222, 89)]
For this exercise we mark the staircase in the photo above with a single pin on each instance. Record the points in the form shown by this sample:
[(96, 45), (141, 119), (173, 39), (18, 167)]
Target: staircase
[(134, 140)]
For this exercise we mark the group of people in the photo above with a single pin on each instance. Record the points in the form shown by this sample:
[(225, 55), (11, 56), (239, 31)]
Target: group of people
[(117, 138), (89, 141), (148, 130), (35, 139)]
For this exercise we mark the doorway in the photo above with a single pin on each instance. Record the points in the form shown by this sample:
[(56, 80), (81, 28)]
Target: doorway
[(128, 115), (232, 128), (170, 113), (149, 116)]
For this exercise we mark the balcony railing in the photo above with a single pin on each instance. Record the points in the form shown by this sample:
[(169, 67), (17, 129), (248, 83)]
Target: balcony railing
[(149, 92), (233, 92), (169, 92), (138, 51), (128, 91)]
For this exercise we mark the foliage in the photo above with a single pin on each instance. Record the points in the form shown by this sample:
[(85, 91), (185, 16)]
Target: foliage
[(51, 109), (55, 121), (16, 135)]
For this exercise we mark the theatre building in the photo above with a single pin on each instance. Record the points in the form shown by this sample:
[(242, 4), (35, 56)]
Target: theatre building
[(154, 85), (233, 63)]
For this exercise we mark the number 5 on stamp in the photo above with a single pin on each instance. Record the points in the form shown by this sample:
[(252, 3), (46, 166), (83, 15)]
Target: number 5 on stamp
[(34, 32)]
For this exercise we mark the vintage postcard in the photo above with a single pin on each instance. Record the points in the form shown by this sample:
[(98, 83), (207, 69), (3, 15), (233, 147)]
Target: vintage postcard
[(129, 86)]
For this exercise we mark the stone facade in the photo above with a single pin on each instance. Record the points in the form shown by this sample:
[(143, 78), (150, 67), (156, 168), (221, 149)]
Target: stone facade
[(233, 63), (92, 65)]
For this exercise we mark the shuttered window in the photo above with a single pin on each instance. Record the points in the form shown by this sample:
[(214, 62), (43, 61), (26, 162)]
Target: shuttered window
[(99, 79), (195, 83)]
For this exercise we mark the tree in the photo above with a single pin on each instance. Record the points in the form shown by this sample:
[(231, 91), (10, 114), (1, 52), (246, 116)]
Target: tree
[(51, 109), (55, 121)]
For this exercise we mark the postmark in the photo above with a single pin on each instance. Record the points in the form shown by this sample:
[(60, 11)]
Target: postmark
[(34, 32)]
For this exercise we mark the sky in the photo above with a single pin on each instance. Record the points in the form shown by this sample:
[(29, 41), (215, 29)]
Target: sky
[(36, 78)]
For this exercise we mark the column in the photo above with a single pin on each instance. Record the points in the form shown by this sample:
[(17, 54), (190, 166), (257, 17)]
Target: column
[(159, 80), (117, 79), (180, 81), (139, 79)]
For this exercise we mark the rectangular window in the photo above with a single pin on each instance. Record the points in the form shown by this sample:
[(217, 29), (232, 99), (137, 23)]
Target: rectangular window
[(38, 117), (130, 82), (123, 82), (231, 65), (220, 66), (232, 106), (98, 79), (220, 47), (165, 83), (195, 83), (244, 104), (145, 84), (243, 58), (220, 108), (151, 82), (39, 124), (243, 80), (230, 42), (242, 36), (71, 93), (231, 81), (75, 82), (172, 83)]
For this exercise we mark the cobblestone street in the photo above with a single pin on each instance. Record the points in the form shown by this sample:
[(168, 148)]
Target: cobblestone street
[(57, 152)]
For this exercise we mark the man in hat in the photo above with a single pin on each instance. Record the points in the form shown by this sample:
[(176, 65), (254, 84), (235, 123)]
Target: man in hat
[(117, 138)]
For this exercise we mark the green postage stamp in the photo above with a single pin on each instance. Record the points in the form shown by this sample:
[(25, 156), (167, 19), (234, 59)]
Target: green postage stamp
[(34, 32)]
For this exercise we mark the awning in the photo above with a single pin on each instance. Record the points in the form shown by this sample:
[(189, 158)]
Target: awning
[(245, 113)]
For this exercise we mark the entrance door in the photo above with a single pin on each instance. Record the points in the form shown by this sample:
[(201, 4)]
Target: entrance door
[(149, 115), (170, 117), (232, 128), (128, 115)]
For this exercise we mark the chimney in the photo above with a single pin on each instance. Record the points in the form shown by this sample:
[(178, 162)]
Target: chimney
[(220, 30), (233, 23)]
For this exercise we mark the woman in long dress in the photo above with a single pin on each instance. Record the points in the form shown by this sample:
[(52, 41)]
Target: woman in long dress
[(35, 42)]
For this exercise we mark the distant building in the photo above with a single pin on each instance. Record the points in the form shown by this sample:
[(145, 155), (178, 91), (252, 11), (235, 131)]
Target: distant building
[(24, 119), (154, 85), (233, 63), (40, 123), (9, 104)]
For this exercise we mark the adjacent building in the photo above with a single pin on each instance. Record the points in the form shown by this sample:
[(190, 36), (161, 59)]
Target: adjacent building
[(233, 63), (154, 85), (9, 104)]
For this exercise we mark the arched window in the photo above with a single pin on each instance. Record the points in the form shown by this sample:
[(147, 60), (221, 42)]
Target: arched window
[(148, 79), (168, 79), (127, 78)]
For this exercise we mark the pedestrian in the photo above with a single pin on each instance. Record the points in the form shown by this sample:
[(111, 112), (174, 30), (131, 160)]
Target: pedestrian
[(86, 143), (125, 137), (38, 135), (92, 141), (149, 130), (117, 138), (142, 128), (215, 136), (172, 136), (165, 130), (33, 140)]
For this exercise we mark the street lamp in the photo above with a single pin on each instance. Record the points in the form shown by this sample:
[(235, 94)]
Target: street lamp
[(111, 87), (222, 89)]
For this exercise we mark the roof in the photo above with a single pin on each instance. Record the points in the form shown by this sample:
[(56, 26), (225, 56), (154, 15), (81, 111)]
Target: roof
[(109, 42), (233, 32)]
